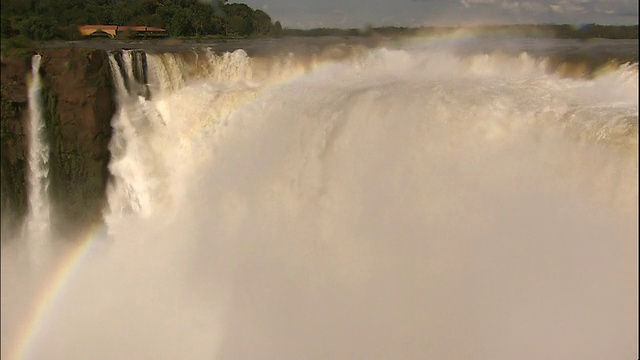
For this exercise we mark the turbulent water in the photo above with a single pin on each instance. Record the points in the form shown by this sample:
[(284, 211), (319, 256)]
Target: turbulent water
[(37, 229), (409, 202)]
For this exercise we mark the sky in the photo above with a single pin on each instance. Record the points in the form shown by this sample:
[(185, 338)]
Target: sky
[(361, 13)]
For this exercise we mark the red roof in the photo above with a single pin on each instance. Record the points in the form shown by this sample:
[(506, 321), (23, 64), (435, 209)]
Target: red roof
[(96, 27), (142, 28), (117, 27)]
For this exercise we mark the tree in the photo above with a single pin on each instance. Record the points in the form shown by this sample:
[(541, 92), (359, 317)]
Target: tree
[(201, 17), (181, 23), (261, 22), (149, 6), (240, 19), (277, 29), (39, 28), (239, 25), (122, 14), (98, 14), (217, 24), (5, 26), (43, 19)]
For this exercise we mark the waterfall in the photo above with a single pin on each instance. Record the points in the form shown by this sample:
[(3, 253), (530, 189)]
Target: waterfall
[(416, 202), (141, 176), (38, 218), (134, 167), (167, 72)]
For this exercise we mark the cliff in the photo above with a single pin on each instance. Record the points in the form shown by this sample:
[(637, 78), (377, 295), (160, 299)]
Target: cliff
[(13, 134), (78, 104)]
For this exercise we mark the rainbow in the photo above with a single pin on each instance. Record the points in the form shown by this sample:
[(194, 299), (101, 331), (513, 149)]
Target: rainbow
[(54, 288), (53, 291)]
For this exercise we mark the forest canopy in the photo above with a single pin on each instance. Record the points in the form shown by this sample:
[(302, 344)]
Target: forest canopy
[(51, 19)]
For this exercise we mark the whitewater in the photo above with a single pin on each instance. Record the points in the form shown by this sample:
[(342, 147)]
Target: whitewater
[(404, 202), (37, 231)]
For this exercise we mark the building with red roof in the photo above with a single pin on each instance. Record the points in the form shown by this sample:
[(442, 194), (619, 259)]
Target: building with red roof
[(115, 30)]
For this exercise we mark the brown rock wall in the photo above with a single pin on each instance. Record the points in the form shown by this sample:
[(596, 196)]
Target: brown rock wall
[(14, 73), (78, 104)]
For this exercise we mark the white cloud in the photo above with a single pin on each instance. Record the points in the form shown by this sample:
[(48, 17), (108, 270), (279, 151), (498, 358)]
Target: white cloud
[(359, 13), (469, 3), (622, 7), (534, 7), (565, 7), (513, 6)]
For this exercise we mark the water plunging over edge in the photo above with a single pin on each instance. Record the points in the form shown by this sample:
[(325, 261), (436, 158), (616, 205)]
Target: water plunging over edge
[(38, 219)]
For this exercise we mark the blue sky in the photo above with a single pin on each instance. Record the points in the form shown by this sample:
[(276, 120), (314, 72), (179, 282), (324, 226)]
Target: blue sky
[(360, 13)]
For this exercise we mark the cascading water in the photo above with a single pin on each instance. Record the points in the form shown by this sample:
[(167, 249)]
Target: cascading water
[(131, 190), (139, 164), (167, 72), (135, 188), (38, 218), (406, 203)]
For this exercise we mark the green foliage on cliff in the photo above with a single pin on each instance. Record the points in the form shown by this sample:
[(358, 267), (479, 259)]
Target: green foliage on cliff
[(17, 46), (51, 19)]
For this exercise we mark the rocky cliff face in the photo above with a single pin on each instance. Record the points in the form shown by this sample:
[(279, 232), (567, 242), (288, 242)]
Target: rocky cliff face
[(78, 104), (13, 133)]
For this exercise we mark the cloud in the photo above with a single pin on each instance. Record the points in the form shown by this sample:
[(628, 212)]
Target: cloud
[(562, 7), (359, 13), (619, 8), (534, 7), (565, 7), (469, 3), (513, 6)]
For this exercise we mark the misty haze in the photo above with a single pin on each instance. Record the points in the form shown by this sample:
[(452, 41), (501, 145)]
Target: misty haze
[(449, 196)]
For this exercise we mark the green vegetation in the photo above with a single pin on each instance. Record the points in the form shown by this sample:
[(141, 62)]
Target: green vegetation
[(58, 19), (591, 31), (18, 46)]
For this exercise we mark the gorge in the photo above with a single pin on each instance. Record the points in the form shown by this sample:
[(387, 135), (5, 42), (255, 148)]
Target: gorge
[(454, 197)]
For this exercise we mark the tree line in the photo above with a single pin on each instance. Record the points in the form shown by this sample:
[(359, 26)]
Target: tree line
[(591, 31), (51, 19)]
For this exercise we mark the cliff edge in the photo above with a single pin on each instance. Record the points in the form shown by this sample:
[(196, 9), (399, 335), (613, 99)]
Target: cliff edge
[(78, 103)]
